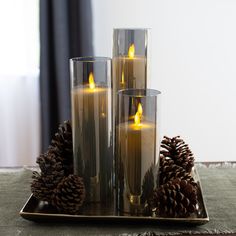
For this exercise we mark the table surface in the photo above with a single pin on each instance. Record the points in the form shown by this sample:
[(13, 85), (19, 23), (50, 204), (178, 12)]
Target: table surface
[(219, 188)]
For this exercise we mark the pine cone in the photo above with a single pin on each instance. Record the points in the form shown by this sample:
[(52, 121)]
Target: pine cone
[(51, 174), (52, 171), (61, 146), (55, 164), (39, 189), (177, 150), (170, 171), (177, 198), (69, 194), (148, 185)]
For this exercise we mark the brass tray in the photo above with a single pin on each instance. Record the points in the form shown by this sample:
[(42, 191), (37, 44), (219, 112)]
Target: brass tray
[(36, 210)]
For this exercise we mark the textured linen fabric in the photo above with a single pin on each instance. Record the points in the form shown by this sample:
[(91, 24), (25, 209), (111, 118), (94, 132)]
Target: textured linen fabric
[(219, 187)]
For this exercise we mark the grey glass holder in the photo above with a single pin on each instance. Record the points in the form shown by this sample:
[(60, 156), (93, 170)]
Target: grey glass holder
[(92, 126), (137, 149)]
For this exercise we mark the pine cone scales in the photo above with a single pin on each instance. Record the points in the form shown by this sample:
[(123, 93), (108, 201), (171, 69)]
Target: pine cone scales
[(48, 164), (61, 146), (148, 185), (51, 174), (39, 189), (69, 194), (177, 192), (63, 138), (56, 184), (55, 164), (176, 149), (170, 171), (177, 198), (66, 161), (52, 171)]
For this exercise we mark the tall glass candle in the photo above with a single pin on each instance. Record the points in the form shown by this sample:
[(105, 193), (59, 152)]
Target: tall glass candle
[(92, 126), (130, 61), (137, 149)]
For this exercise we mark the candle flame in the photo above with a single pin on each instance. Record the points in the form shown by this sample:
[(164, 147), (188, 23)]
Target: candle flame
[(122, 77), (137, 119), (131, 51), (140, 109), (138, 115), (91, 81)]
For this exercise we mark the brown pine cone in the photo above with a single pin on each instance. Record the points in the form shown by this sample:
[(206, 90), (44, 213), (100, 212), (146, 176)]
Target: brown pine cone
[(51, 174), (69, 195), (52, 171), (61, 146), (177, 198), (170, 171), (39, 189), (177, 150), (148, 185), (55, 164)]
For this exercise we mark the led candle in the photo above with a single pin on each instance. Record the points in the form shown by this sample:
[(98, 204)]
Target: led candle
[(137, 148), (92, 129), (129, 71), (129, 62)]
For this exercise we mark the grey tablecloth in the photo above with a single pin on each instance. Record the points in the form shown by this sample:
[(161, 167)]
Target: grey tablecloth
[(219, 186)]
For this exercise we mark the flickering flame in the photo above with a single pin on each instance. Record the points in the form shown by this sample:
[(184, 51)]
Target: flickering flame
[(91, 81), (137, 119), (122, 77), (140, 109), (131, 51), (138, 115)]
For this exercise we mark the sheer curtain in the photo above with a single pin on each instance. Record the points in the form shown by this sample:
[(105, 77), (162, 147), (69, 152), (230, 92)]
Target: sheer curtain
[(19, 83), (19, 108)]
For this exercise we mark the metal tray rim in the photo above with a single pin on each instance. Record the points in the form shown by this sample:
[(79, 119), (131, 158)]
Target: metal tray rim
[(32, 215)]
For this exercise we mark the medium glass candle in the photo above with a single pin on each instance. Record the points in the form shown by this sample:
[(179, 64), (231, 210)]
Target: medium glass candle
[(92, 126), (137, 149)]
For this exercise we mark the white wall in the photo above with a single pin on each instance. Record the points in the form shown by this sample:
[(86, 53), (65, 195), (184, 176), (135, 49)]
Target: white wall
[(193, 64)]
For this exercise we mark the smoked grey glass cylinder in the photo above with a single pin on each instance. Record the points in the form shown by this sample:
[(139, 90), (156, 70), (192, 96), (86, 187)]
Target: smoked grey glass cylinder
[(130, 60), (137, 150), (91, 98)]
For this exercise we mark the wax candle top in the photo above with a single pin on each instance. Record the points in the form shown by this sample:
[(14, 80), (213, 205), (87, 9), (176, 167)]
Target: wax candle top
[(132, 127), (85, 89), (137, 123), (142, 126), (127, 58), (91, 87)]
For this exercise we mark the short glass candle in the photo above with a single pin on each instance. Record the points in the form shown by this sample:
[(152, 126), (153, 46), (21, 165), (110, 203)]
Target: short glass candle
[(92, 126), (137, 149)]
